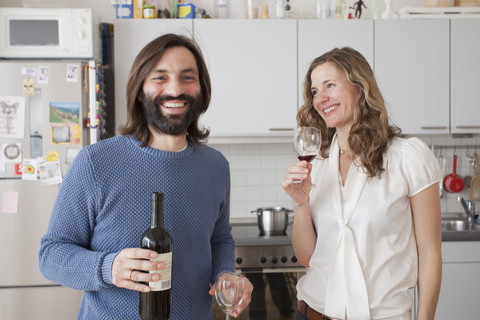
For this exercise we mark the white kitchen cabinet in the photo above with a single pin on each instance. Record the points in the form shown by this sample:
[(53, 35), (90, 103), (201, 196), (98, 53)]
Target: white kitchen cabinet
[(465, 82), (460, 287), (131, 35), (412, 69), (253, 70), (316, 37)]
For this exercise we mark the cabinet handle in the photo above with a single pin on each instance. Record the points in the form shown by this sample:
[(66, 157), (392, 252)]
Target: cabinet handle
[(468, 127), (281, 129), (434, 128)]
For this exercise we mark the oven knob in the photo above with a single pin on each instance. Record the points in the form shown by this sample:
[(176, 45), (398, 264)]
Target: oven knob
[(274, 260), (239, 260), (80, 20), (263, 260), (294, 259), (80, 35), (284, 259)]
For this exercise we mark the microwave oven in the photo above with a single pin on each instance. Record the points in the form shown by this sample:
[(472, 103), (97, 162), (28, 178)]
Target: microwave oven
[(49, 33)]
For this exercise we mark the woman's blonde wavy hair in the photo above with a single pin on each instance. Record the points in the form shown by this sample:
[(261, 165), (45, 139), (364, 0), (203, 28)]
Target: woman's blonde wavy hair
[(370, 132)]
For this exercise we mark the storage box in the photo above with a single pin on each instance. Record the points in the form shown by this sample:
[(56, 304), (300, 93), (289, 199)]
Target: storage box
[(186, 11), (138, 9), (124, 11)]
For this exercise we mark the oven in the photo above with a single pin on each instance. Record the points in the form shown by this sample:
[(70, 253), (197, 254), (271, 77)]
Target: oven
[(269, 262)]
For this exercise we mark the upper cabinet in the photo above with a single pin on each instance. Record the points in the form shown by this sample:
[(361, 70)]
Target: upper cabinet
[(253, 69), (465, 80), (412, 70), (316, 37)]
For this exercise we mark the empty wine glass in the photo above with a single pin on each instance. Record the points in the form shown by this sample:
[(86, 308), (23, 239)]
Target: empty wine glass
[(229, 291), (306, 145)]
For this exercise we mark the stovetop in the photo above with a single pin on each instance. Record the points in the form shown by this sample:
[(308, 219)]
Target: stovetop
[(248, 234)]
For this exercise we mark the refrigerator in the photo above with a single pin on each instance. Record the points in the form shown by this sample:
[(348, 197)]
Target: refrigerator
[(44, 122)]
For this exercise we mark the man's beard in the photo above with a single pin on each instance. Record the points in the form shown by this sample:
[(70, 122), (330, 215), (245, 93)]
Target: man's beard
[(172, 124)]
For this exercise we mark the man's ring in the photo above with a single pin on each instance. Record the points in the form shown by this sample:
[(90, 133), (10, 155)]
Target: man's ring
[(130, 276)]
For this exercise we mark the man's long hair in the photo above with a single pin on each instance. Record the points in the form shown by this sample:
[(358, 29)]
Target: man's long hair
[(370, 132), (143, 65)]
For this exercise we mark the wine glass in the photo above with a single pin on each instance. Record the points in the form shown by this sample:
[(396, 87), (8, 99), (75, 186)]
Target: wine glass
[(306, 145), (229, 291)]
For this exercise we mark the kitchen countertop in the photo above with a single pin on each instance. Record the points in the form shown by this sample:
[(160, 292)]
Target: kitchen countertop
[(246, 233)]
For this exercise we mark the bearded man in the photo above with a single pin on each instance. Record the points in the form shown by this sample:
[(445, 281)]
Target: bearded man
[(103, 206)]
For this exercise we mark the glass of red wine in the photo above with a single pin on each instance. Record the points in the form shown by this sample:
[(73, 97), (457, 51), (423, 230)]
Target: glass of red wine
[(306, 145)]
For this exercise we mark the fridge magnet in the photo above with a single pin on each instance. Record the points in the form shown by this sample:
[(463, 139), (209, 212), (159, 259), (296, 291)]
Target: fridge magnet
[(52, 156), (29, 71), (43, 74), (10, 202), (28, 87), (50, 171), (29, 169), (71, 154), (64, 112), (17, 169), (12, 117), (65, 134), (12, 152), (72, 73)]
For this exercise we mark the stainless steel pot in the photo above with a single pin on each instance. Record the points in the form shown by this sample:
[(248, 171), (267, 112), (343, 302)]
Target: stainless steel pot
[(272, 221)]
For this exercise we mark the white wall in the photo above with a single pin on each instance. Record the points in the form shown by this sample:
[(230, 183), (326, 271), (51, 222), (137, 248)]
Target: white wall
[(106, 11)]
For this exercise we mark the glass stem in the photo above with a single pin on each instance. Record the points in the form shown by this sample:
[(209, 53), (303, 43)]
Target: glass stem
[(228, 316)]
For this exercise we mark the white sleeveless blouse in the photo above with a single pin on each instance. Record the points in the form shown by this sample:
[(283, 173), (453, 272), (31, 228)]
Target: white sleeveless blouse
[(366, 254)]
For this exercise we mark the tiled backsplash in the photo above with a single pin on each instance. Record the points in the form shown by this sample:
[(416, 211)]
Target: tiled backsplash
[(257, 171)]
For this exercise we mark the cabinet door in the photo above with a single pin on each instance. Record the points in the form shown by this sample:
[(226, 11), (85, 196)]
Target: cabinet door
[(465, 82), (412, 70), (316, 37), (253, 72), (459, 292), (131, 35)]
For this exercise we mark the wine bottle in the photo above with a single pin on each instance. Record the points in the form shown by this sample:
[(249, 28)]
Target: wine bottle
[(157, 304)]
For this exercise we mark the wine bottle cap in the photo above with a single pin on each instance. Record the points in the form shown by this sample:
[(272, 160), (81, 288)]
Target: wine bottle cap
[(157, 196)]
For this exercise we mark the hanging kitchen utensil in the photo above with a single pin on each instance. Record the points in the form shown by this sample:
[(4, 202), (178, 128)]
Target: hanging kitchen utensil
[(453, 183), (475, 188), (468, 178), (441, 161)]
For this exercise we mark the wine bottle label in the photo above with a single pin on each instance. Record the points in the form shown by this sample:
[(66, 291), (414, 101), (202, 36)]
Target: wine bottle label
[(165, 281)]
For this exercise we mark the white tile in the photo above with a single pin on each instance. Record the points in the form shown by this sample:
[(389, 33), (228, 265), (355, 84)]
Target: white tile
[(254, 178), (269, 178), (269, 194), (285, 148), (286, 204), (282, 195), (238, 162), (254, 162), (254, 194), (238, 149), (238, 209), (281, 176), (253, 206), (284, 161), (268, 204), (269, 162), (254, 149), (238, 178), (223, 148), (269, 148), (238, 194)]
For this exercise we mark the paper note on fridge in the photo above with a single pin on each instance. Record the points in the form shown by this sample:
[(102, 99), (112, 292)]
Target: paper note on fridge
[(29, 170), (12, 117), (10, 202), (50, 171)]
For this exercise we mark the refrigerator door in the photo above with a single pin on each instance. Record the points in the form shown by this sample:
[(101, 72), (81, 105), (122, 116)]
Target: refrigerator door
[(20, 232)]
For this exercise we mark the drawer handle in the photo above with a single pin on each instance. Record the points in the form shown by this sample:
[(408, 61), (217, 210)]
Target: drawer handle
[(281, 129), (468, 127), (434, 128)]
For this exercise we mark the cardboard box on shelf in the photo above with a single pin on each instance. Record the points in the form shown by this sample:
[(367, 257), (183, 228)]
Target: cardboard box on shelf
[(138, 9)]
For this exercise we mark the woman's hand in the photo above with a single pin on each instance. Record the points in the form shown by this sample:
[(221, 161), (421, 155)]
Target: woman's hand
[(128, 264), (298, 191)]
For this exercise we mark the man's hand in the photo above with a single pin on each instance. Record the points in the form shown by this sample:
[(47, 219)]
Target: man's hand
[(128, 264), (247, 296)]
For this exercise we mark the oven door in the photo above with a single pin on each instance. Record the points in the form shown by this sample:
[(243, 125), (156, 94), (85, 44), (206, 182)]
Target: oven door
[(274, 296)]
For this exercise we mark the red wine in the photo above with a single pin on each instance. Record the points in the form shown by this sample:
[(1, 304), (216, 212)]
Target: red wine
[(157, 304), (307, 158)]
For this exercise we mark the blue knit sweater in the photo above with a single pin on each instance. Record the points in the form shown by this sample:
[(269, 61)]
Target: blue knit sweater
[(104, 206)]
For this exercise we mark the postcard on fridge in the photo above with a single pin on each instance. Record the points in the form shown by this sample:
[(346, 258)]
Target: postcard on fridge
[(50, 171), (12, 117)]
